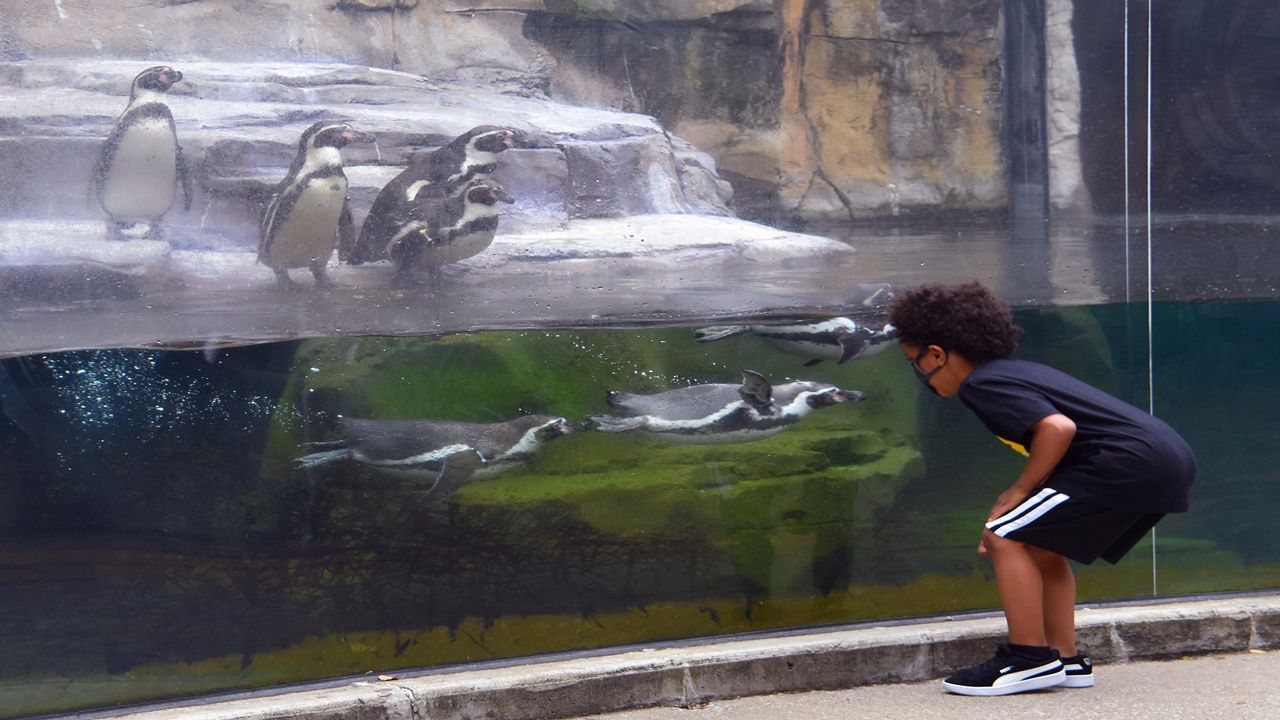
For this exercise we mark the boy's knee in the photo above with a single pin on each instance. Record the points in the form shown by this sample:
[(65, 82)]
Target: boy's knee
[(996, 544)]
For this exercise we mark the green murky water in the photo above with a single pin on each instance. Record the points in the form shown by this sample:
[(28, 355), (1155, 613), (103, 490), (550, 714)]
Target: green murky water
[(157, 540)]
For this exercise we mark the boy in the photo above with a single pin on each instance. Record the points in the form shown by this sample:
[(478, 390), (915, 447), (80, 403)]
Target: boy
[(1099, 474)]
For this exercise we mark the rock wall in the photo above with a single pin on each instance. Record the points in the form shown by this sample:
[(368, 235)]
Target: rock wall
[(813, 109)]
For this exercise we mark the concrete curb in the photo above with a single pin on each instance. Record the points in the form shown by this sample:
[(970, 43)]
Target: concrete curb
[(688, 675)]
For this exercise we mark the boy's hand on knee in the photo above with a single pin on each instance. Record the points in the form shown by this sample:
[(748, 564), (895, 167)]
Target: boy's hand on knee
[(1007, 501)]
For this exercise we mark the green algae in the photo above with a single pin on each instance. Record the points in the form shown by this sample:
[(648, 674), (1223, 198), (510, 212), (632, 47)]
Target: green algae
[(362, 654)]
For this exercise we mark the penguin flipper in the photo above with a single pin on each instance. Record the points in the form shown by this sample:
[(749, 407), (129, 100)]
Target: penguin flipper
[(756, 390), (852, 345), (184, 177), (267, 228), (346, 231), (102, 166), (719, 332), (456, 469)]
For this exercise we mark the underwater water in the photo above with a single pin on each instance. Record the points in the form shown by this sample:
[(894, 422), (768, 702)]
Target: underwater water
[(159, 539)]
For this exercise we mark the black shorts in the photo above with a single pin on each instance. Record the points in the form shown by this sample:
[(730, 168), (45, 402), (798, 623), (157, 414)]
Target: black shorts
[(1078, 529)]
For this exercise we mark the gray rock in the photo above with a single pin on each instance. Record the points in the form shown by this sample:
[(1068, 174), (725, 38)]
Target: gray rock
[(239, 125), (623, 177), (377, 4)]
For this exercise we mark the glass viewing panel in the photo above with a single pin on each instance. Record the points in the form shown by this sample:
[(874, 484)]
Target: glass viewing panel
[(301, 379)]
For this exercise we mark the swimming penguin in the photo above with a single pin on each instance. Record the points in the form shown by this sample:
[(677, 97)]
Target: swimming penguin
[(841, 338), (445, 453), (443, 172), (720, 413), (309, 210), (445, 230), (140, 165)]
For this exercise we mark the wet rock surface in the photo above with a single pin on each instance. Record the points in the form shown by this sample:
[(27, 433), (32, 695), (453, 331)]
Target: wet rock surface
[(612, 188)]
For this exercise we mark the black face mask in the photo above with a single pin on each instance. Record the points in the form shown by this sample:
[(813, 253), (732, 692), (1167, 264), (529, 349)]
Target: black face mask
[(923, 376)]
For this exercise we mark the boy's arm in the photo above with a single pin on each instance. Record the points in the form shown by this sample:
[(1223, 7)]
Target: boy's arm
[(1050, 438)]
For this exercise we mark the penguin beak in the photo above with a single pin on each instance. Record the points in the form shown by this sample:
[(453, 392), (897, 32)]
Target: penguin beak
[(559, 427), (850, 395), (502, 195), (835, 396)]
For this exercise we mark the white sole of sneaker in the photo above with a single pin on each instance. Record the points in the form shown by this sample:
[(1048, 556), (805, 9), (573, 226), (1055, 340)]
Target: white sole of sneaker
[(1039, 682), (1077, 681)]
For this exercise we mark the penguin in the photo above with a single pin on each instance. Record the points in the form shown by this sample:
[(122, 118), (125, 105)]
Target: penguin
[(309, 209), (140, 164), (444, 453), (720, 413), (841, 338), (440, 231), (443, 172)]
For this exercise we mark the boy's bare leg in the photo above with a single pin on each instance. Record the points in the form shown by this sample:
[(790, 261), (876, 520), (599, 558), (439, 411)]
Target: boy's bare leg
[(1018, 578), (1059, 590)]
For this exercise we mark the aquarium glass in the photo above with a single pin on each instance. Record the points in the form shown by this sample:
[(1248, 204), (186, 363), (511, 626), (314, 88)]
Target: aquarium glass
[(302, 379)]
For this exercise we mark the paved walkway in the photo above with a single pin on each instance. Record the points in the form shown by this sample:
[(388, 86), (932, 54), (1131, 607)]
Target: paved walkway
[(1239, 686)]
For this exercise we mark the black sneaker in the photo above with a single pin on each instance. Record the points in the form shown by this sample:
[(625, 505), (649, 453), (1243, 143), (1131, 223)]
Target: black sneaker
[(1079, 671), (1014, 669)]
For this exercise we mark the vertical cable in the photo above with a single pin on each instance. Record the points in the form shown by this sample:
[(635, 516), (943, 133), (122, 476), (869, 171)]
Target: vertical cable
[(1127, 231), (1151, 363)]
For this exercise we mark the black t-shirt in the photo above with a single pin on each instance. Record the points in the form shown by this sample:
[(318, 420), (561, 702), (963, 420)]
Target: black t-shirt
[(1120, 457)]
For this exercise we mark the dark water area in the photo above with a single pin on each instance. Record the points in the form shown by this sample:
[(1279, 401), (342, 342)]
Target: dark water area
[(157, 540)]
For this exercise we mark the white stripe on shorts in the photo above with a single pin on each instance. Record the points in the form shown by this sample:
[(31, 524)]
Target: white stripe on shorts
[(1028, 512)]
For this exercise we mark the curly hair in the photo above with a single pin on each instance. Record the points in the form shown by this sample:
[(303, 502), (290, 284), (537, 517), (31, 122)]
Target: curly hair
[(966, 319)]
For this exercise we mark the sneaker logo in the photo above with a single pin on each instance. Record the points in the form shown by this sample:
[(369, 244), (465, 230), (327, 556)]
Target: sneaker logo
[(1006, 669), (1086, 662)]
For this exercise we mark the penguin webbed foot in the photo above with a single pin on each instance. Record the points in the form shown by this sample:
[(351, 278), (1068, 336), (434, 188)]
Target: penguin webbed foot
[(612, 424), (719, 332), (118, 231), (323, 280), (405, 278), (318, 459), (154, 231), (284, 282)]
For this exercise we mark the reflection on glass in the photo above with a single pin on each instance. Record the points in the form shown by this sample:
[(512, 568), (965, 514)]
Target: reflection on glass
[(563, 199), (239, 517)]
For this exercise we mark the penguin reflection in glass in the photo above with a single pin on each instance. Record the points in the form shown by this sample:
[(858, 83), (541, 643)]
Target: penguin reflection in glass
[(139, 166), (445, 453), (310, 210), (720, 413), (841, 339), (410, 201)]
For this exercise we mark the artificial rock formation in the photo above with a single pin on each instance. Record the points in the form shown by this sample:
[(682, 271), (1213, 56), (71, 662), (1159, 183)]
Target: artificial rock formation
[(813, 109)]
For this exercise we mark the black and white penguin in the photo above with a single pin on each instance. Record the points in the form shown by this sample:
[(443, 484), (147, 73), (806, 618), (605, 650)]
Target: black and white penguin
[(140, 165), (445, 230), (444, 453), (443, 172), (841, 338), (309, 210), (720, 413)]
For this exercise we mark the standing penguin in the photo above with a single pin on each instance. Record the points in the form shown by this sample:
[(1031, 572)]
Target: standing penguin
[(309, 210), (141, 163), (440, 231), (443, 172)]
